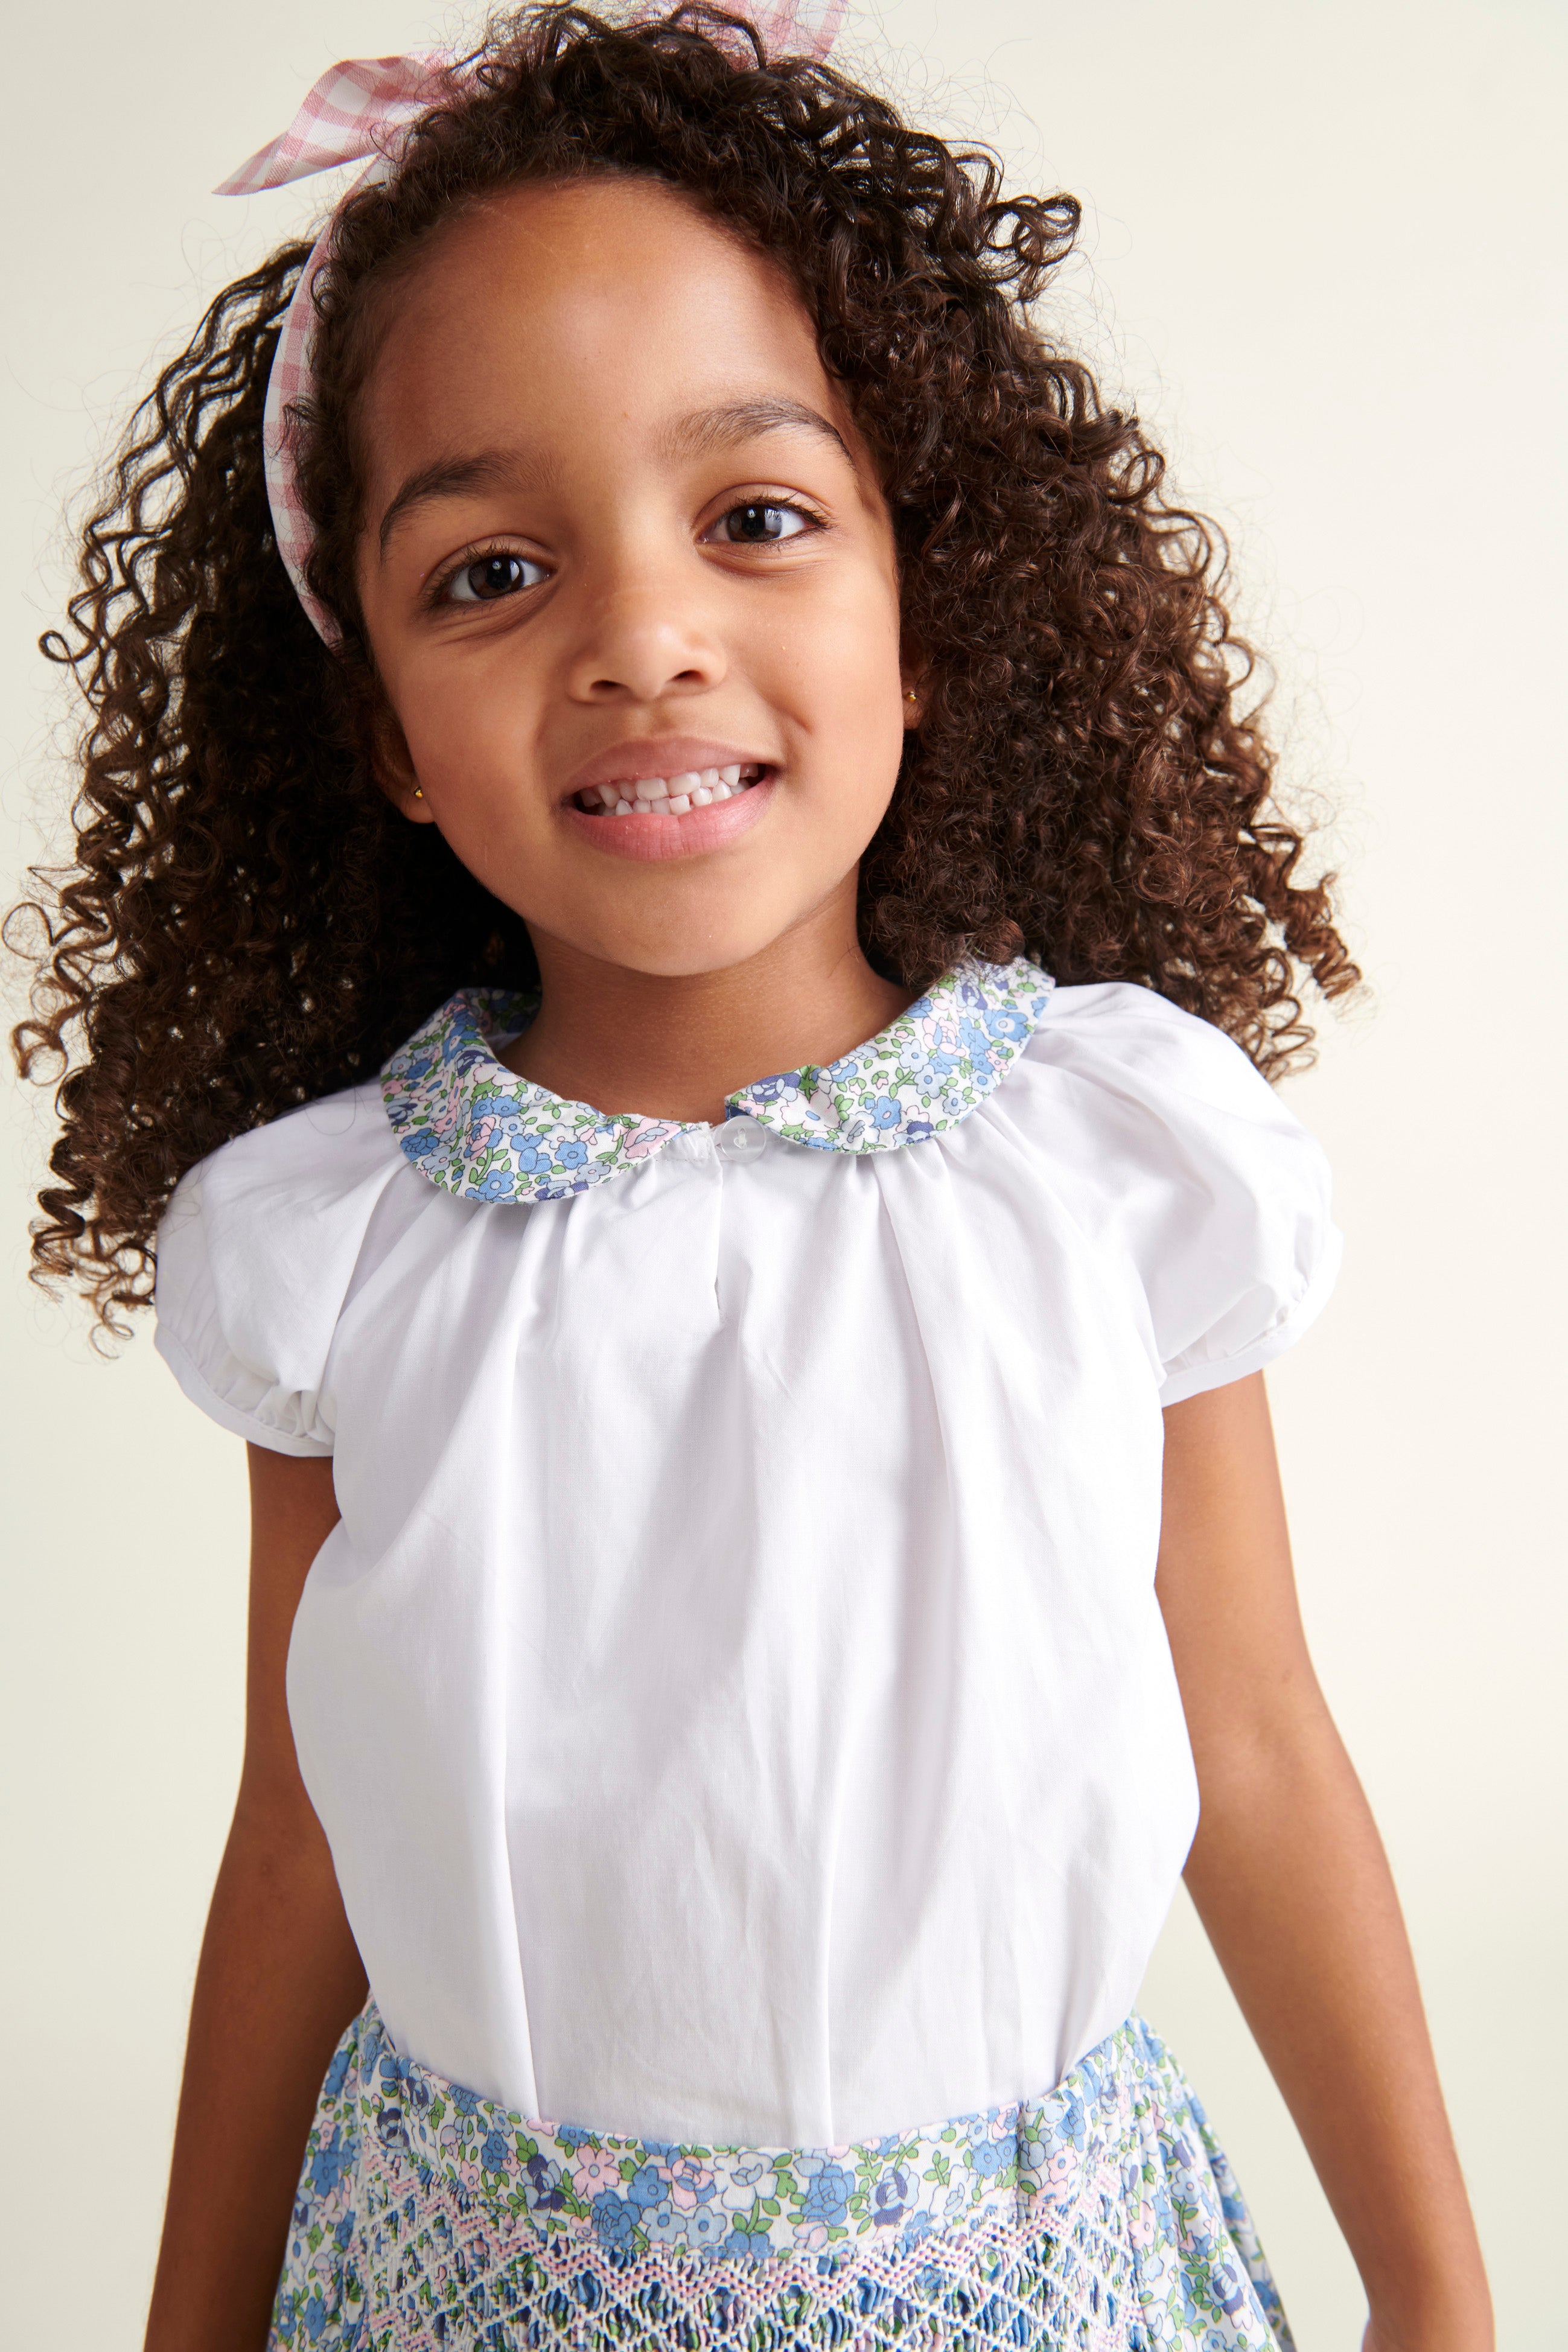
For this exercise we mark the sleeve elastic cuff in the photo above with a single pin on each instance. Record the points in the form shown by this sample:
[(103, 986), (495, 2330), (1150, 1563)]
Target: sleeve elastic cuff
[(1194, 1379), (242, 1424)]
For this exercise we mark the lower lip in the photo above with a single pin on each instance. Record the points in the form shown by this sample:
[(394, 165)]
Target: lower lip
[(700, 829)]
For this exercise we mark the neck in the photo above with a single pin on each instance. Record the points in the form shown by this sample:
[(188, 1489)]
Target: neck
[(673, 1047)]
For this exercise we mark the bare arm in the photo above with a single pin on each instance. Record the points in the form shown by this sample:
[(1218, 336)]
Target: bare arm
[(280, 1976), (1291, 1882)]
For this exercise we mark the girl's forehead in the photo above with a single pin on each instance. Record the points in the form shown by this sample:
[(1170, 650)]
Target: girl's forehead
[(550, 307)]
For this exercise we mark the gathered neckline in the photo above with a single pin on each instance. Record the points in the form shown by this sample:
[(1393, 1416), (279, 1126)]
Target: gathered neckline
[(474, 1128)]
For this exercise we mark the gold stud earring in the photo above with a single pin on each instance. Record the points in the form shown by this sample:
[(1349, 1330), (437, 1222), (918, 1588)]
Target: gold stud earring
[(417, 794)]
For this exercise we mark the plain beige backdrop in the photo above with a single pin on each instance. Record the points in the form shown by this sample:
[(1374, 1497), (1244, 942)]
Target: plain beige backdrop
[(1324, 257)]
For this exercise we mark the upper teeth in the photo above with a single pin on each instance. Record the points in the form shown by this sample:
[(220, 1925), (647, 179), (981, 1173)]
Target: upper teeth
[(670, 795)]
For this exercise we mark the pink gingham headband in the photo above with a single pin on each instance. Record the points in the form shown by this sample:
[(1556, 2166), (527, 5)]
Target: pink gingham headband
[(365, 108), (360, 107)]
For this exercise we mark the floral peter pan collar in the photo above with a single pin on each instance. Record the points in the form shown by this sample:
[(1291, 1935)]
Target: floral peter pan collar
[(472, 1128)]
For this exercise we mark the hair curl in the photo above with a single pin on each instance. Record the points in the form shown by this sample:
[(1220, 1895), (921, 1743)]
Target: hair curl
[(249, 924)]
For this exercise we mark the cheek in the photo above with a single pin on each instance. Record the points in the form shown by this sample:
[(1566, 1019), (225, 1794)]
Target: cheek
[(860, 698), (468, 722), (859, 628), (842, 668)]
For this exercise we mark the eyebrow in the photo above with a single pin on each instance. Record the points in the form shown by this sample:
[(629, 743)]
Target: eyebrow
[(452, 478), (743, 420), (706, 429)]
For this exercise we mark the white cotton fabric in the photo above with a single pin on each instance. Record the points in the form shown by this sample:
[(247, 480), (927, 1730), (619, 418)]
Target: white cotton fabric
[(735, 1694)]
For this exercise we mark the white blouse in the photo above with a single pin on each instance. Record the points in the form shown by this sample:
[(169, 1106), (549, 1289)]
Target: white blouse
[(734, 1693)]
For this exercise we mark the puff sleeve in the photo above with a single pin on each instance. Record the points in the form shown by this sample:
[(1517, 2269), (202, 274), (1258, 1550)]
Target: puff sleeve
[(257, 1254), (1170, 1146)]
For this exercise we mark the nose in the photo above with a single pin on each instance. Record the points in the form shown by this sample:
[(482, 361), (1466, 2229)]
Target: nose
[(644, 640)]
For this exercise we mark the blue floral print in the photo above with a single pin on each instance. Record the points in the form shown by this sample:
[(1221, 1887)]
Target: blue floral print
[(330, 2162), (471, 1125), (1104, 2213)]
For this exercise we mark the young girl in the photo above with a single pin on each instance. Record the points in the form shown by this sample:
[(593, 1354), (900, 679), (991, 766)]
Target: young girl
[(679, 940)]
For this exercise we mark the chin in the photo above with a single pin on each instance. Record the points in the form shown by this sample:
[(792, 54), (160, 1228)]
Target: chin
[(685, 957)]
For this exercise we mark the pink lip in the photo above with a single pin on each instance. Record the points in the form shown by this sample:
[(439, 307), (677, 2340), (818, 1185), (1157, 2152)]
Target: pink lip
[(673, 836), (661, 755)]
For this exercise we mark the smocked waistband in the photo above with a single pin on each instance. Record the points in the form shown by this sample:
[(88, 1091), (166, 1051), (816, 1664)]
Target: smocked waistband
[(1015, 2161), (1102, 2215)]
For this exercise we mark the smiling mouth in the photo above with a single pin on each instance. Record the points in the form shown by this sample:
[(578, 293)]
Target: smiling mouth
[(670, 795)]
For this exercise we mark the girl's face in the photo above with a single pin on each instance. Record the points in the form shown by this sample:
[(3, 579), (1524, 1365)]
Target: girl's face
[(621, 534)]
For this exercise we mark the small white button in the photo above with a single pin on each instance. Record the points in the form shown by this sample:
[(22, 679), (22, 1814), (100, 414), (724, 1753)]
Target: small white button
[(741, 1139)]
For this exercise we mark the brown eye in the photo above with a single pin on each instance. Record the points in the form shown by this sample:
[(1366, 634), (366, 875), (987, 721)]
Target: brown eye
[(750, 525), (491, 577)]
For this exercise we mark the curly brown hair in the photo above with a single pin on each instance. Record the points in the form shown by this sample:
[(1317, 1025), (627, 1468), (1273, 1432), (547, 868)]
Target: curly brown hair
[(249, 924)]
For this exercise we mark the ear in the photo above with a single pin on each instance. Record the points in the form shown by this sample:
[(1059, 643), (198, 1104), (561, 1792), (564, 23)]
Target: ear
[(392, 768), (912, 681)]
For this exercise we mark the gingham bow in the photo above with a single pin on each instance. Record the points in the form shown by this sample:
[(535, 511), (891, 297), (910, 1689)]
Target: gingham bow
[(359, 108), (363, 107), (356, 109), (793, 28)]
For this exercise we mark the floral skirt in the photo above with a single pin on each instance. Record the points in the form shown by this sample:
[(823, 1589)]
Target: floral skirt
[(1103, 2217)]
